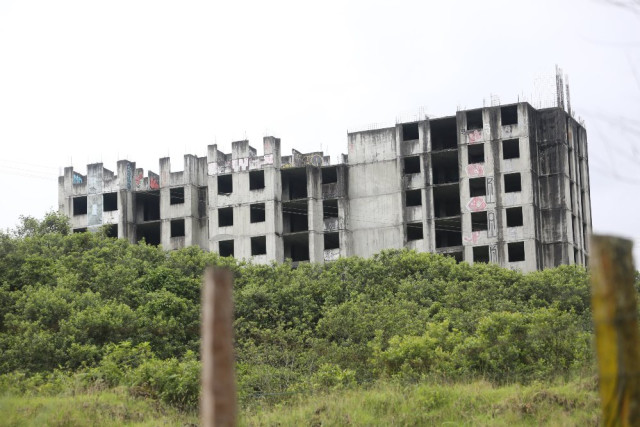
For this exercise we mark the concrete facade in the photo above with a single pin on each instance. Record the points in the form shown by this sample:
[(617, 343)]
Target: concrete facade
[(505, 184)]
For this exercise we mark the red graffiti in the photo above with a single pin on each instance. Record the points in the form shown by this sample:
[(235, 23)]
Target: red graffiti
[(477, 204), (475, 136), (139, 178), (475, 170), (473, 239), (153, 182)]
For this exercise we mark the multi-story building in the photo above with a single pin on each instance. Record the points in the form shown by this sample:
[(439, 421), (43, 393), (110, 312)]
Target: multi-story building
[(504, 184)]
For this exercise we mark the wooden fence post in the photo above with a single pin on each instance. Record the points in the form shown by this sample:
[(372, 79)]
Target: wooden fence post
[(218, 395), (615, 317)]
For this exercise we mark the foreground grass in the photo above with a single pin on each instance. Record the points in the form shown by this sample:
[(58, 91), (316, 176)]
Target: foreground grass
[(477, 403), (105, 408)]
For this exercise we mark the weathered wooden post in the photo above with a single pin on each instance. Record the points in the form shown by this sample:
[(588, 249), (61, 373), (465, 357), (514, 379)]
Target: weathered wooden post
[(218, 395), (615, 317)]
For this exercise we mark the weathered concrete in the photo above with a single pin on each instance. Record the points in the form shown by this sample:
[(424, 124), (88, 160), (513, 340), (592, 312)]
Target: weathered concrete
[(446, 185)]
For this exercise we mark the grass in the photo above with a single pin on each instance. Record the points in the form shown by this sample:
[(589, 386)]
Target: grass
[(388, 404)]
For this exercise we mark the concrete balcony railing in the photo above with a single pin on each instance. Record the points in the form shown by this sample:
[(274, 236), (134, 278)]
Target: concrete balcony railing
[(412, 181), (332, 224), (510, 131), (331, 254), (259, 259), (332, 191), (177, 242), (411, 147), (413, 213)]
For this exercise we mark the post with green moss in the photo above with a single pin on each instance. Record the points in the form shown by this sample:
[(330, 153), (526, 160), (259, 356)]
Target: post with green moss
[(218, 394), (615, 317)]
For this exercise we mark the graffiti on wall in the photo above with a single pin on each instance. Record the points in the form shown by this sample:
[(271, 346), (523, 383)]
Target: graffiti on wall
[(129, 176), (508, 130), (490, 190), (77, 178), (476, 204), (493, 254), (475, 136), (472, 238), (154, 181), (239, 165), (475, 170), (139, 179), (492, 228)]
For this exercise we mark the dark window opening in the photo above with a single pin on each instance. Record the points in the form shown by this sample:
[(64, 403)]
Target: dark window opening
[(444, 134), (150, 233), (329, 208), (414, 231), (177, 228), (455, 255), (477, 187), (331, 241), (413, 198), (225, 184), (475, 153), (512, 183), (410, 132), (176, 196), (148, 205), (516, 251), (295, 216), (481, 254), (478, 221), (256, 180), (80, 205), (514, 217), (259, 245), (257, 212), (202, 202), (111, 230), (329, 175), (448, 232), (294, 183), (225, 217), (296, 247), (509, 115), (446, 201), (225, 248), (511, 149), (474, 119), (80, 230), (445, 167), (110, 202), (411, 165)]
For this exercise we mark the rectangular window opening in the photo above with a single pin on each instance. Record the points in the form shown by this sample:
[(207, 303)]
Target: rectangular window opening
[(203, 201), (147, 206), (444, 133), (177, 228), (111, 230), (331, 241), (294, 184), (256, 180), (516, 251), (445, 167), (176, 196), (413, 198), (110, 202), (511, 149), (411, 165), (150, 233), (329, 208), (446, 201), (448, 232), (477, 187), (80, 205), (478, 221), (257, 212), (258, 245), (410, 132), (225, 184), (296, 247), (415, 231), (474, 119), (329, 175), (509, 115), (514, 217), (512, 183), (295, 216), (475, 153), (225, 248), (481, 254), (225, 217)]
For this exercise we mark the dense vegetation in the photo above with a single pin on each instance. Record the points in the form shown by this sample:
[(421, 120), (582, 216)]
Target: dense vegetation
[(85, 310)]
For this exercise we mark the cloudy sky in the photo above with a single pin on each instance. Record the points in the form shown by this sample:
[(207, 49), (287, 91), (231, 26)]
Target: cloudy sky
[(88, 81)]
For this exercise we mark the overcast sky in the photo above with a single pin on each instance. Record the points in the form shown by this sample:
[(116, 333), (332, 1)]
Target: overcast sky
[(87, 81)]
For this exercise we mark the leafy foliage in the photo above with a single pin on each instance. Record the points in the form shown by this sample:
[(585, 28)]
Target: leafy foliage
[(103, 311)]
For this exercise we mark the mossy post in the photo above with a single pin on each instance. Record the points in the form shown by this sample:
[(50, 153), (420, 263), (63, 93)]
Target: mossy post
[(218, 394), (615, 317)]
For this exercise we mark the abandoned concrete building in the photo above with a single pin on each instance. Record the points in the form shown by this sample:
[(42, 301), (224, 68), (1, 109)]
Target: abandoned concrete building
[(503, 184)]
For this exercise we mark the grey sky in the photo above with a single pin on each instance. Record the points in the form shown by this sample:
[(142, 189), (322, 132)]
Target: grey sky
[(101, 81)]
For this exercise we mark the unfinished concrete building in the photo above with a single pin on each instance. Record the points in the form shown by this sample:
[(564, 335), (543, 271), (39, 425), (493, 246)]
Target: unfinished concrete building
[(505, 184)]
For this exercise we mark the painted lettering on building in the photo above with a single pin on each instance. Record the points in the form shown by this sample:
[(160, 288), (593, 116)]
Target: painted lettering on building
[(475, 170), (477, 204)]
